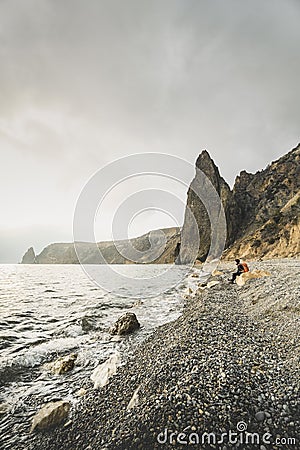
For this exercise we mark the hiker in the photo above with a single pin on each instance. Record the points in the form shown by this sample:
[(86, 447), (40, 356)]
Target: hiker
[(241, 268)]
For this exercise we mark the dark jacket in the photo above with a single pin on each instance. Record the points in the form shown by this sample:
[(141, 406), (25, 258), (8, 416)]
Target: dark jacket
[(240, 268)]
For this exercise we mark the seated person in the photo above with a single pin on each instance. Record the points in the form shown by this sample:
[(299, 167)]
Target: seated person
[(241, 268)]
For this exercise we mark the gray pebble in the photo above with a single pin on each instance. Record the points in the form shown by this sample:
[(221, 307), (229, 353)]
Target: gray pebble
[(260, 416)]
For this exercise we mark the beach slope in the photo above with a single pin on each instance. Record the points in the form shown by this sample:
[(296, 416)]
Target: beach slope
[(229, 364)]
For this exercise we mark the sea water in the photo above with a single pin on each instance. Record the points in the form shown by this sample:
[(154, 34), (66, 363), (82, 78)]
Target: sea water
[(47, 311)]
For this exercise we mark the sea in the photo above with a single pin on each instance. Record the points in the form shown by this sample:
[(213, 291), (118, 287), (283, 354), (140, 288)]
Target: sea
[(49, 311)]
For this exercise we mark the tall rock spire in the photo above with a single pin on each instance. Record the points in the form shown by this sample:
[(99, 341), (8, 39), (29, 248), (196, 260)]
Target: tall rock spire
[(196, 210)]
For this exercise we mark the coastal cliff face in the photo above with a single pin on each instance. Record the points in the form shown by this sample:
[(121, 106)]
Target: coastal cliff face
[(262, 218), (278, 237), (64, 253), (261, 196), (262, 209), (267, 205)]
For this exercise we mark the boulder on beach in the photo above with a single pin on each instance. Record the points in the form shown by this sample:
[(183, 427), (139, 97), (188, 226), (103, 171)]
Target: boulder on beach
[(61, 365), (126, 324), (241, 280), (50, 415), (104, 371)]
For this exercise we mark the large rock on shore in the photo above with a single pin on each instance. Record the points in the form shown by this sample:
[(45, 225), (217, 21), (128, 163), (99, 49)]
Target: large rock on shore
[(244, 277), (61, 365), (126, 324), (50, 415), (105, 371)]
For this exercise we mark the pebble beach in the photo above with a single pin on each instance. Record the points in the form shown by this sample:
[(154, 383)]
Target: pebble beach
[(224, 375)]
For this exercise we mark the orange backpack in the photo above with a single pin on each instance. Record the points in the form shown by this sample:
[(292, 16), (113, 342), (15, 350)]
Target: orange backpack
[(246, 268)]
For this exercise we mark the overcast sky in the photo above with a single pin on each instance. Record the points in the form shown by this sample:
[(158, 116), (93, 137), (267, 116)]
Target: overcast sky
[(85, 82)]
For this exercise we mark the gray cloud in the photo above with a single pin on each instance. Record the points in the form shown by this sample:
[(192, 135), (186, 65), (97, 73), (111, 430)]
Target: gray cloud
[(82, 83)]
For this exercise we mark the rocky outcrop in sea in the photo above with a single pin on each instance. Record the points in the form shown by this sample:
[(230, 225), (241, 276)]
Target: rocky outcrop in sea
[(29, 257)]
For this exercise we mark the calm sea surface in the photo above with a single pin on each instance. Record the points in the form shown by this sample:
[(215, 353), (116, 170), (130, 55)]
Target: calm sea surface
[(47, 311)]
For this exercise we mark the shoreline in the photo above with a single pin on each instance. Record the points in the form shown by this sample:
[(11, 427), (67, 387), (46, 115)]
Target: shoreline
[(230, 358)]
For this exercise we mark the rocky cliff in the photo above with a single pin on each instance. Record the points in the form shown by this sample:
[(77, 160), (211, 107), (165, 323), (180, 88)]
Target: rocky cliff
[(262, 209), (278, 237), (262, 219)]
